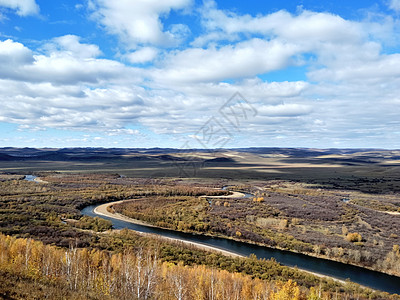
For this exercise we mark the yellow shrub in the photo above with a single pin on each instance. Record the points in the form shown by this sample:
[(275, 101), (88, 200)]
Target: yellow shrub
[(354, 237)]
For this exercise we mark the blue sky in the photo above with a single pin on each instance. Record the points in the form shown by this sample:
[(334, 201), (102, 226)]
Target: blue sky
[(185, 73)]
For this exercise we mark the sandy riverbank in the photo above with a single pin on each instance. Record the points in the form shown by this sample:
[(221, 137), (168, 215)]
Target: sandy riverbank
[(393, 213), (233, 195), (39, 180)]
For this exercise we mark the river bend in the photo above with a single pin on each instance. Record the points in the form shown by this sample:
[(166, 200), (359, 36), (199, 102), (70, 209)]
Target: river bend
[(365, 277)]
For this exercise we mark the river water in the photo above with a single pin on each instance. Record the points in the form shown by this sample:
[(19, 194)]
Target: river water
[(372, 279), (30, 177)]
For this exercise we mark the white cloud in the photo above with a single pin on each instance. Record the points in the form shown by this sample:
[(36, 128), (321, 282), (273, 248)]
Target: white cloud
[(71, 44), (380, 70), (254, 89), (245, 59), (30, 128), (22, 7), (286, 40), (120, 131), (67, 88), (284, 110), (13, 57), (205, 39), (333, 43), (142, 55), (60, 69), (14, 53), (60, 66), (138, 22), (395, 5), (306, 27)]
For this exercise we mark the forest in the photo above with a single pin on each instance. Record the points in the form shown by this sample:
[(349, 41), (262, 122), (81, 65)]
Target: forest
[(98, 274), (45, 271)]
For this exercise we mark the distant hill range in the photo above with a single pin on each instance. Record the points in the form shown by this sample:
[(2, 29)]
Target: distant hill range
[(297, 155)]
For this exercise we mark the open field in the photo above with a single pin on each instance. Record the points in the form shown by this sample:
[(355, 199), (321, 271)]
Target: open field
[(373, 171)]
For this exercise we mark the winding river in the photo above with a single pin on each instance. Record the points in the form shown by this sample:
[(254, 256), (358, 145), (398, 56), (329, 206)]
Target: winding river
[(341, 271), (365, 277)]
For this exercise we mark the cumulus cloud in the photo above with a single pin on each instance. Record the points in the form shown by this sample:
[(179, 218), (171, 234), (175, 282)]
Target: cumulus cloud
[(94, 109), (142, 55), (307, 26), (72, 64), (380, 70), (334, 44), (254, 89), (233, 48), (67, 87), (14, 53), (120, 131), (245, 59), (138, 22), (71, 44), (22, 7), (13, 57)]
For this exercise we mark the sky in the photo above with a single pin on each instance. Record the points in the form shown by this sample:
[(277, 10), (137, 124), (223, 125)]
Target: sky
[(200, 74)]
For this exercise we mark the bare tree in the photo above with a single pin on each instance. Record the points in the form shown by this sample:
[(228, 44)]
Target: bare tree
[(71, 267), (151, 275), (178, 281)]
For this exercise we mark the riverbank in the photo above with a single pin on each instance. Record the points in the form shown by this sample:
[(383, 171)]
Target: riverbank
[(234, 195)]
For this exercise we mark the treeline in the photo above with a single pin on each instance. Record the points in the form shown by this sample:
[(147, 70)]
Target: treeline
[(138, 274), (131, 275), (269, 270), (89, 223)]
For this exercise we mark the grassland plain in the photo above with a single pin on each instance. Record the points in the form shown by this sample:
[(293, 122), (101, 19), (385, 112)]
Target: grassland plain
[(372, 171)]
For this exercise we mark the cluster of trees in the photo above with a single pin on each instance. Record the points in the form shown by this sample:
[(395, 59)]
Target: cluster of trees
[(388, 205), (139, 274), (354, 237), (392, 261), (183, 213), (89, 223), (132, 275)]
